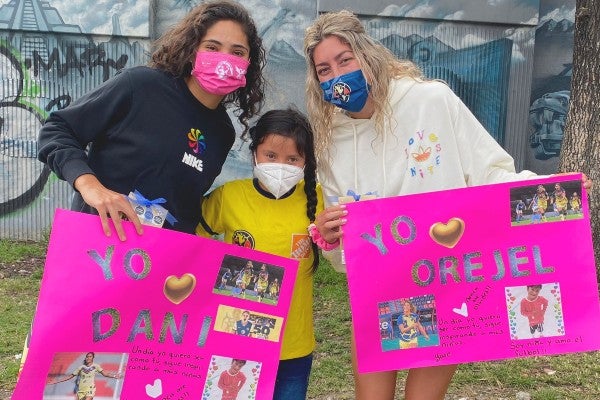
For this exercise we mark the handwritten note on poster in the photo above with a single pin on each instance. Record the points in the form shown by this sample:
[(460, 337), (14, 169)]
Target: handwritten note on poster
[(483, 273), (162, 316)]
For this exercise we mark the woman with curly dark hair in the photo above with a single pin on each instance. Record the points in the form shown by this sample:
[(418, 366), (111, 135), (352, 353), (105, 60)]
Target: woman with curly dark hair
[(161, 131)]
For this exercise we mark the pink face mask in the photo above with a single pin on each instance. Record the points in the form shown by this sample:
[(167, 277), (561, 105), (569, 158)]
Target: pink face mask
[(220, 73)]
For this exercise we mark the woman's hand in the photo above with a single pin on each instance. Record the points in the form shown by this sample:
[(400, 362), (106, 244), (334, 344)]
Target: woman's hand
[(329, 222), (108, 204), (587, 182)]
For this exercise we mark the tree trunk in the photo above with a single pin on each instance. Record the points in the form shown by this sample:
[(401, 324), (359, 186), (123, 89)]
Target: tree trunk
[(581, 143)]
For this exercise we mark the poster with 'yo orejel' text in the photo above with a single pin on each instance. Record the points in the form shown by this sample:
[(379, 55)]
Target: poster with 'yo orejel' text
[(483, 273)]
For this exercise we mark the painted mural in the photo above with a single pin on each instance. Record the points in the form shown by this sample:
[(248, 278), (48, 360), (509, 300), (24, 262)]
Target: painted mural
[(503, 12), (46, 61), (484, 50), (551, 83), (108, 17)]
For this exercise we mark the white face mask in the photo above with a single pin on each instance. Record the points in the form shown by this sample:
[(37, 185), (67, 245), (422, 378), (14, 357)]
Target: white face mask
[(278, 178)]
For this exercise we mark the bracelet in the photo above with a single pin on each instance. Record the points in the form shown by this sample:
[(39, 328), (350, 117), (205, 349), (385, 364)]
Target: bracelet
[(316, 237)]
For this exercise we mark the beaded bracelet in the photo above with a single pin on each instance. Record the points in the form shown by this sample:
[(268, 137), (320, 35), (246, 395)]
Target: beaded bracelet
[(316, 237)]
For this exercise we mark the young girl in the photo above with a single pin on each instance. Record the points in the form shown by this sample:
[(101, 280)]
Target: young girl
[(276, 208), (232, 380)]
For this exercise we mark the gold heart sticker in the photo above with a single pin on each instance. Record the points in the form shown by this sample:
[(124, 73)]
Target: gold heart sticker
[(447, 234), (178, 289)]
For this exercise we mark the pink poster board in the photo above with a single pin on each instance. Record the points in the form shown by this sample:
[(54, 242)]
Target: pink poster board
[(159, 311), (442, 278)]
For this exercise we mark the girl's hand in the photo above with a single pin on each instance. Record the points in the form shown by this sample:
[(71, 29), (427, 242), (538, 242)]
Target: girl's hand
[(329, 222)]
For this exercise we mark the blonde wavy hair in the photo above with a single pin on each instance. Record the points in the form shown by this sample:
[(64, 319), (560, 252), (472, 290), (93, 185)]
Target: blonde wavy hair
[(377, 62)]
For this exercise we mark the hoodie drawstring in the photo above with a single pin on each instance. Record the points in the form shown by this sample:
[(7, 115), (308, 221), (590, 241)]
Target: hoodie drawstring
[(355, 161)]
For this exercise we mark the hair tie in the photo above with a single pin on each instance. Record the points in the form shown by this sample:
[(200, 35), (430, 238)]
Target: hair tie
[(316, 237)]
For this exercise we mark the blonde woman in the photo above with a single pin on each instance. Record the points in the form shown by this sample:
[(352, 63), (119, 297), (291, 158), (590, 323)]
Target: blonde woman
[(382, 129)]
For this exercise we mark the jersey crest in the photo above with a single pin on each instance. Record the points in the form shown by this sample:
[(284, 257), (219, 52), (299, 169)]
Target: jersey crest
[(243, 238)]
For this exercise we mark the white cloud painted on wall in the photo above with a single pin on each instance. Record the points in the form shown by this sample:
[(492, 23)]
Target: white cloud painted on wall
[(507, 10), (558, 14), (93, 17)]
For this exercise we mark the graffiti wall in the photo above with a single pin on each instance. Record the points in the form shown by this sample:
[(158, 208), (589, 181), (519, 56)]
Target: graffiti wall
[(53, 51)]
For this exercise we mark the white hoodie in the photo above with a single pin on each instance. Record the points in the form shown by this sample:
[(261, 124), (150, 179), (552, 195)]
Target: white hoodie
[(435, 143)]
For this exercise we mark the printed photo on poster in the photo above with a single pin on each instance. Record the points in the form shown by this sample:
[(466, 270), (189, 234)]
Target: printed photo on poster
[(248, 323), (535, 204), (535, 311), (249, 279), (85, 375), (231, 379), (408, 323)]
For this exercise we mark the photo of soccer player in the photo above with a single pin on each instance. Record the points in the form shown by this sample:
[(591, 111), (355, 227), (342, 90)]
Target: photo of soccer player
[(535, 310), (408, 323), (536, 204), (248, 323), (230, 378), (86, 376), (249, 279)]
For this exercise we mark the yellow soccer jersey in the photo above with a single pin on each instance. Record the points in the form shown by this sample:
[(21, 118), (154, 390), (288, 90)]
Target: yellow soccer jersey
[(561, 202), (87, 374), (575, 202), (277, 226)]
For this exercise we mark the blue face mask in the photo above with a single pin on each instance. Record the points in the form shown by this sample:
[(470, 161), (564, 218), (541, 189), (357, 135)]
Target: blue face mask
[(349, 91)]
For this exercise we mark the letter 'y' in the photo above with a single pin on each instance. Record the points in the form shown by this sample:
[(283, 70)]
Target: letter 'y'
[(376, 241), (104, 263)]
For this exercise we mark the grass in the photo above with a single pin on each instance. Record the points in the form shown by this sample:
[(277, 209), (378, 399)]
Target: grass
[(11, 251), (574, 376), (18, 292)]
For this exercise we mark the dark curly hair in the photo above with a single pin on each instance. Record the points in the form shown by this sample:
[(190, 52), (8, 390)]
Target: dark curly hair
[(293, 124), (176, 49)]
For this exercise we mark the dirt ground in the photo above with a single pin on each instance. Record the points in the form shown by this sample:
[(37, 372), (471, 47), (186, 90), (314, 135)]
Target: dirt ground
[(20, 268)]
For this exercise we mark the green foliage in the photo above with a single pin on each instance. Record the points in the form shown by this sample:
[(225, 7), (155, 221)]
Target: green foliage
[(11, 251)]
